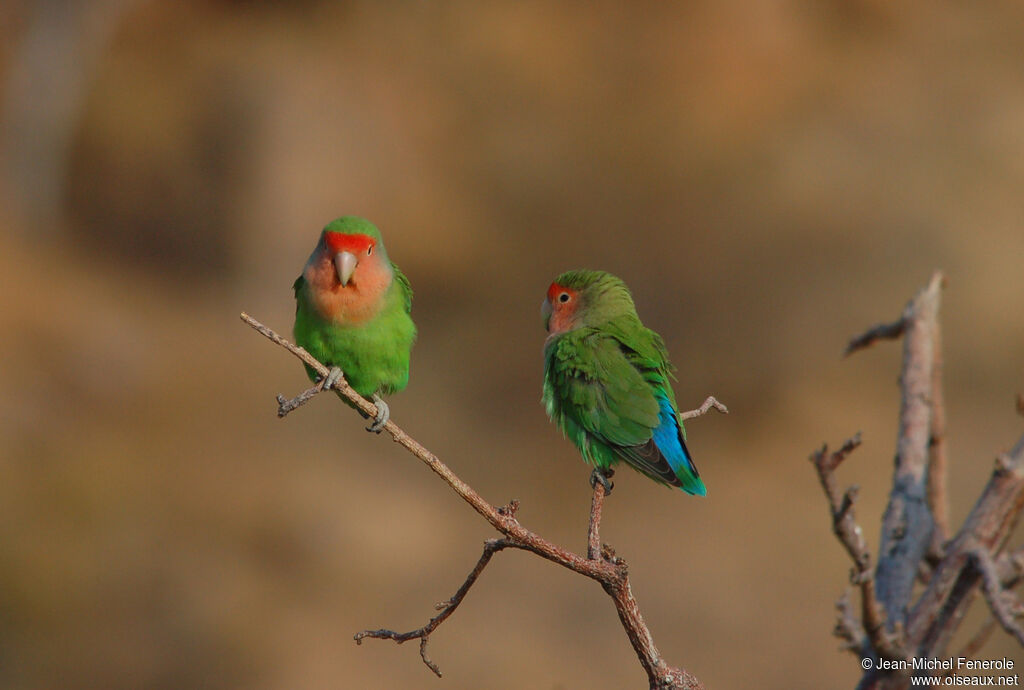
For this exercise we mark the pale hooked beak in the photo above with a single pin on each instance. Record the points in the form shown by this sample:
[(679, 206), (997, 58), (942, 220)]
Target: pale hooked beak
[(545, 312), (345, 264)]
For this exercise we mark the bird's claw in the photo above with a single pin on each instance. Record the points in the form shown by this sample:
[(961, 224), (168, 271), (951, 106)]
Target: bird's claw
[(605, 478), (333, 376), (383, 414)]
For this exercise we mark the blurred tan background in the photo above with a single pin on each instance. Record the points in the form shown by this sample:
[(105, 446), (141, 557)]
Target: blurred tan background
[(769, 177)]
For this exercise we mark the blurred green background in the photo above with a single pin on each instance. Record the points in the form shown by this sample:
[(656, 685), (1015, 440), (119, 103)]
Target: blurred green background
[(769, 177)]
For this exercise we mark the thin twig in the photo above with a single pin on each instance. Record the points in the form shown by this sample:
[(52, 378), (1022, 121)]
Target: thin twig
[(704, 408), (341, 387), (883, 331), (611, 573), (849, 628), (1005, 606), (284, 406), (851, 536), (447, 608), (826, 464)]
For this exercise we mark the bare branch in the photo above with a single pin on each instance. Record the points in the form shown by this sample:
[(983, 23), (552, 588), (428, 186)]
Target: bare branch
[(1005, 606), (938, 498), (827, 463), (610, 572), (341, 387), (447, 608), (841, 506), (848, 628), (299, 352), (883, 331), (944, 602), (907, 523), (704, 408), (285, 406), (851, 536), (916, 541), (1011, 568)]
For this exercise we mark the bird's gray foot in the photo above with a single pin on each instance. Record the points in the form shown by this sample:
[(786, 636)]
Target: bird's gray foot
[(332, 378), (383, 414), (605, 477)]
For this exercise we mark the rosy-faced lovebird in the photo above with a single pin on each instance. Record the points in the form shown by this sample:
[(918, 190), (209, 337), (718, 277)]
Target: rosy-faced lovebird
[(606, 382), (352, 309)]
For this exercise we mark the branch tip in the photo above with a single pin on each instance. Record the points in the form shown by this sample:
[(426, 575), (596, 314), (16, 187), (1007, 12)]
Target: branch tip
[(426, 660), (882, 331), (285, 406), (825, 463), (709, 402), (849, 496), (848, 628)]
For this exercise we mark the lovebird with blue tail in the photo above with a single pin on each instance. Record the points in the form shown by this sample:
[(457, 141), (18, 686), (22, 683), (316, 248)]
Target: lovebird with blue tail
[(607, 382)]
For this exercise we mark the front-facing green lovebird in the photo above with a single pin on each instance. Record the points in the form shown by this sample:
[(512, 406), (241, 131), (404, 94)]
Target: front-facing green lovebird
[(607, 382), (352, 308)]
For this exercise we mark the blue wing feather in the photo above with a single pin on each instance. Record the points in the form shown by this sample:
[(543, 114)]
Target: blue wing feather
[(668, 437)]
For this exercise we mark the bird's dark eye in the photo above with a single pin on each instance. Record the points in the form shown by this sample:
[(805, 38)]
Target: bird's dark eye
[(369, 250), (564, 297)]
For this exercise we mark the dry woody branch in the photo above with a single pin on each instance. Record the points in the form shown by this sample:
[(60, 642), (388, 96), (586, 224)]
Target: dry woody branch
[(600, 565), (917, 542)]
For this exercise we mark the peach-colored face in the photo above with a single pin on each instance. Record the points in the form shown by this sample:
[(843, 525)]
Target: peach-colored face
[(560, 307), (362, 297)]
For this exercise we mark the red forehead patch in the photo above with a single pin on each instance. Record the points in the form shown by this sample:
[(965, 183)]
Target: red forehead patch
[(555, 290), (344, 242)]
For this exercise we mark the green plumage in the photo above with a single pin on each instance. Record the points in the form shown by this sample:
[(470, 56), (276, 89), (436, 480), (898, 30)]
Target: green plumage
[(607, 384), (372, 353)]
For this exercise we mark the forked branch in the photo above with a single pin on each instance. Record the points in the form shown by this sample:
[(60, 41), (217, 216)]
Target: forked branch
[(851, 536), (1004, 604), (603, 567), (447, 608), (917, 541)]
